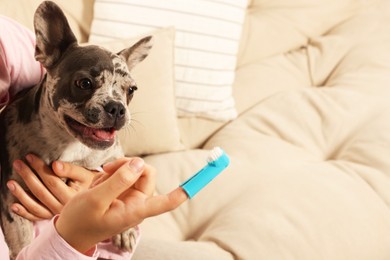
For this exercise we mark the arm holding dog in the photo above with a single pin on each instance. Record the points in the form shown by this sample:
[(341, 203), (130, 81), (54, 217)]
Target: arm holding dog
[(50, 191)]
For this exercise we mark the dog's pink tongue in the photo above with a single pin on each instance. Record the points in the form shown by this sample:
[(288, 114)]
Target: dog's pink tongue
[(104, 134)]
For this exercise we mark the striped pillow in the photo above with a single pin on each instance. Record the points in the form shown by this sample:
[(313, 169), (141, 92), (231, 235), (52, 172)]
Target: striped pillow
[(207, 38)]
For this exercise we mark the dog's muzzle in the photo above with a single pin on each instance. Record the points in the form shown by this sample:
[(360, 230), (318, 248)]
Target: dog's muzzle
[(108, 118), (115, 110), (113, 115)]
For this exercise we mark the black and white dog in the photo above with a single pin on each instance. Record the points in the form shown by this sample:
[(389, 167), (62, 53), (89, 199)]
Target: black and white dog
[(71, 115)]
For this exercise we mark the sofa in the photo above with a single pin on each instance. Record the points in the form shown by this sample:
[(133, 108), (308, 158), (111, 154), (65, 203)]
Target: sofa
[(305, 122)]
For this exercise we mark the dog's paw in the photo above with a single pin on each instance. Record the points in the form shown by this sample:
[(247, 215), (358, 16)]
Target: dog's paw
[(126, 240)]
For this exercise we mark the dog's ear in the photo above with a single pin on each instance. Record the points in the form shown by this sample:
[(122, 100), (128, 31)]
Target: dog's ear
[(53, 33), (138, 52)]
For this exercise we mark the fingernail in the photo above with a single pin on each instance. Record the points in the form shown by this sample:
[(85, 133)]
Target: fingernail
[(59, 165), (29, 158), (10, 186), (137, 164), (14, 208), (18, 165)]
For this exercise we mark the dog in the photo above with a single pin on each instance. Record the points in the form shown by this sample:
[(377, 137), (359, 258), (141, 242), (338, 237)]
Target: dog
[(72, 115)]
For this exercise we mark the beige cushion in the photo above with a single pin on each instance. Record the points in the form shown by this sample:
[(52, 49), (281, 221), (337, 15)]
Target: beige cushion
[(153, 128), (278, 26), (304, 183), (352, 54)]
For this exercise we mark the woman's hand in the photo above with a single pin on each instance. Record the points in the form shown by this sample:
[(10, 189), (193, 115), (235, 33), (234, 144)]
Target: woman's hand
[(120, 199), (50, 192)]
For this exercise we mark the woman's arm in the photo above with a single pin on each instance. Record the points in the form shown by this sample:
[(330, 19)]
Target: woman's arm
[(50, 245), (50, 192)]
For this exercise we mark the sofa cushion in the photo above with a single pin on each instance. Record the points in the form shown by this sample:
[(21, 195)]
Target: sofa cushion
[(278, 26), (208, 35), (352, 54), (308, 179)]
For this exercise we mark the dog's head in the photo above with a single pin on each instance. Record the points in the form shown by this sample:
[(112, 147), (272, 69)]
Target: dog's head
[(88, 88)]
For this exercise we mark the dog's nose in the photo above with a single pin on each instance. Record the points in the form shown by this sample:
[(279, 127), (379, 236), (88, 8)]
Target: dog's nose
[(115, 109)]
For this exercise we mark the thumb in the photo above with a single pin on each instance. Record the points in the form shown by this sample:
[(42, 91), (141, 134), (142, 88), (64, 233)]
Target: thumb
[(120, 181)]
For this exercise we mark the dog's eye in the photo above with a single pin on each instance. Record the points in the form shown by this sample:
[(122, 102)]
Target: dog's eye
[(84, 83), (131, 90)]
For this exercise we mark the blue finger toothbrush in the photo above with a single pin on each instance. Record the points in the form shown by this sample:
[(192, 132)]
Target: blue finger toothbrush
[(217, 161)]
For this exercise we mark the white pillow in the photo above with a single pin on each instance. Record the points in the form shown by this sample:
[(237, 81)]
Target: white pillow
[(206, 45)]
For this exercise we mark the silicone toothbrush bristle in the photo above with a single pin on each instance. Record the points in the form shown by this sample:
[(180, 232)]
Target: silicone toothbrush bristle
[(215, 153)]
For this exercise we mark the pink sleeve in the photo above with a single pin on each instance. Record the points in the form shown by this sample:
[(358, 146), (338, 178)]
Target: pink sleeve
[(18, 67), (50, 245), (4, 253), (105, 250)]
